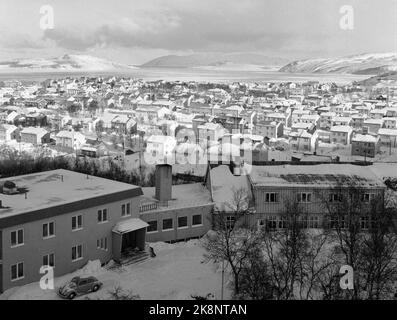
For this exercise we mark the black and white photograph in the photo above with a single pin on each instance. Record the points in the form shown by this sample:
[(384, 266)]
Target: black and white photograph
[(213, 152)]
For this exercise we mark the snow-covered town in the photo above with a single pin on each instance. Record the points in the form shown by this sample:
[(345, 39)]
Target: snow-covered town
[(197, 171), (196, 150)]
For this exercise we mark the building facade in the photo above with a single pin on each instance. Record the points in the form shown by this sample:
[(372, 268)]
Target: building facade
[(64, 220)]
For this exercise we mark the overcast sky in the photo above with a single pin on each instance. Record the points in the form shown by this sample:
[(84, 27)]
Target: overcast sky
[(135, 31)]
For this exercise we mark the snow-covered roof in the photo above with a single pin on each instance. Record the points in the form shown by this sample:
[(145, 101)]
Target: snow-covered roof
[(210, 126), (323, 175), (387, 132), (364, 138), (129, 225), (161, 139), (225, 185), (34, 130), (8, 127), (183, 196), (70, 135), (341, 129), (57, 188), (374, 121)]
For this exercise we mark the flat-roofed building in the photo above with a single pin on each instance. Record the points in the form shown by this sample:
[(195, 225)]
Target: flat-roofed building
[(185, 215), (365, 145), (269, 129), (341, 134), (388, 137), (65, 219)]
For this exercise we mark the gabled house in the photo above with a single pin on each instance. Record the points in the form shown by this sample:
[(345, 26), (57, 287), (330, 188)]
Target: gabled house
[(341, 135), (8, 132), (365, 145), (123, 124), (388, 137), (303, 141), (269, 129), (35, 136), (373, 125), (70, 139), (326, 120)]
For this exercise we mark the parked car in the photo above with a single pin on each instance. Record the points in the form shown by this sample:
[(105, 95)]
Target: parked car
[(79, 286)]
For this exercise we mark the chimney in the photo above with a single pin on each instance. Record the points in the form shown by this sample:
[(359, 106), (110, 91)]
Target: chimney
[(163, 177)]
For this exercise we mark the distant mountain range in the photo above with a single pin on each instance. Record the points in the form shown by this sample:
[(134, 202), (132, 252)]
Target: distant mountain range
[(217, 61), (366, 64), (66, 63)]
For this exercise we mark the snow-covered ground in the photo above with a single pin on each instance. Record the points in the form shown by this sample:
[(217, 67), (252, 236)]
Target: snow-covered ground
[(176, 273)]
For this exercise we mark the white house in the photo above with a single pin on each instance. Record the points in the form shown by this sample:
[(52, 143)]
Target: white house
[(341, 135), (35, 136), (388, 137), (159, 148), (70, 139), (8, 132)]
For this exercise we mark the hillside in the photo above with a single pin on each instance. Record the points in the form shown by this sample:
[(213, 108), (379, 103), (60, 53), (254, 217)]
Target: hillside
[(371, 64), (386, 79), (216, 60), (66, 63)]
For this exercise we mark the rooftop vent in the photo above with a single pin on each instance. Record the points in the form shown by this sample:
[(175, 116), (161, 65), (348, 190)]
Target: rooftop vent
[(9, 187)]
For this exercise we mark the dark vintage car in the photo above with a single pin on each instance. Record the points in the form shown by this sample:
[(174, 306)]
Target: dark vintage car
[(79, 286)]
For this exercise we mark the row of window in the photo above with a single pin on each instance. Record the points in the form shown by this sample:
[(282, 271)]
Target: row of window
[(312, 222), (277, 222), (341, 223), (306, 197), (17, 270), (17, 236), (168, 224)]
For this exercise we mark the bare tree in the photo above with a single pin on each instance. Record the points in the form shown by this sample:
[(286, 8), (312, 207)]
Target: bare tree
[(285, 249), (361, 227), (255, 278), (379, 251), (231, 241)]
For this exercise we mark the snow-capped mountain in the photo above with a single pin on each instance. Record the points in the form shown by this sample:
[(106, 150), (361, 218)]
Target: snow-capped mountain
[(66, 63), (376, 63), (215, 60)]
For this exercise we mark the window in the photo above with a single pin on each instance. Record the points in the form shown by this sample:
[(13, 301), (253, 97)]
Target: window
[(367, 197), (335, 197), (261, 224), (303, 221), (17, 238), (102, 244), (77, 252), (197, 220), (230, 222), (167, 224), (271, 197), (17, 271), (272, 222), (182, 222), (304, 197), (77, 222), (49, 260), (282, 223), (126, 210), (103, 216), (338, 222), (314, 222), (152, 226), (364, 223), (48, 230)]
